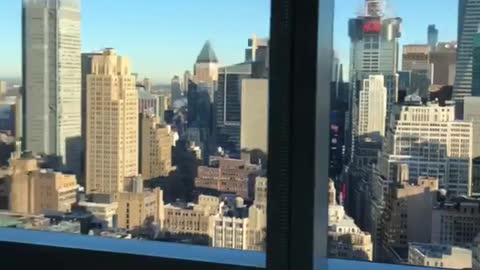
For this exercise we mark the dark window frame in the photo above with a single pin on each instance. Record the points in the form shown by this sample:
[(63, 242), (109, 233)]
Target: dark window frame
[(301, 41)]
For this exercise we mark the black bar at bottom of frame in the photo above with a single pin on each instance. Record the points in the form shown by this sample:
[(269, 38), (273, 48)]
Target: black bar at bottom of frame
[(21, 256)]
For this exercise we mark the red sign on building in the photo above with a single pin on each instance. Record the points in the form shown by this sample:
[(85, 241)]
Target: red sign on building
[(372, 27)]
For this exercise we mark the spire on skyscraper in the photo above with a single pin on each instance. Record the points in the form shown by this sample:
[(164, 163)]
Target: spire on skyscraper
[(207, 55)]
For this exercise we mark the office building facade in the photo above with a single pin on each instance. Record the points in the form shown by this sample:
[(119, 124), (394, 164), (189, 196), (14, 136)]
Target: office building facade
[(374, 51), (416, 58), (52, 79), (138, 207), (406, 206), (456, 222), (112, 124), (468, 21), (147, 103), (432, 36), (227, 102), (11, 116), (471, 113), (443, 60), (3, 89), (372, 108), (227, 176), (155, 147), (36, 191), (254, 115), (476, 66), (432, 143), (176, 90)]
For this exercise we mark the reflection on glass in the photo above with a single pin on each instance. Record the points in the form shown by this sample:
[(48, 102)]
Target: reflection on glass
[(404, 133)]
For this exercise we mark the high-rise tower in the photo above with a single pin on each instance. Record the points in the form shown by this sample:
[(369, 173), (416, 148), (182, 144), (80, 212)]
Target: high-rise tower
[(112, 124), (206, 66), (52, 79), (468, 22)]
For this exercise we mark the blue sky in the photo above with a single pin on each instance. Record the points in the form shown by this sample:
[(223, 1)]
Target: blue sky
[(163, 38)]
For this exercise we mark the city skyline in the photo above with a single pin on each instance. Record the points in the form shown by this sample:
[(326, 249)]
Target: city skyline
[(159, 62)]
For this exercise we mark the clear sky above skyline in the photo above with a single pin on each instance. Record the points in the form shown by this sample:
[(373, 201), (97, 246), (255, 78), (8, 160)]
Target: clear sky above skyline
[(163, 38)]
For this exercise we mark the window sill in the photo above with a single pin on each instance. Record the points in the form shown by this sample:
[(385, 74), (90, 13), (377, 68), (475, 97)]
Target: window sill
[(18, 246), (337, 264), (13, 242)]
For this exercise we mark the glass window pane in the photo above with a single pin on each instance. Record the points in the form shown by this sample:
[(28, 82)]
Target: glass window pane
[(136, 119), (404, 145)]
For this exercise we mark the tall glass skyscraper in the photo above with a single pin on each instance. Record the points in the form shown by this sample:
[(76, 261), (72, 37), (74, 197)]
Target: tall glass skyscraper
[(374, 51), (476, 66), (432, 36), (468, 24), (52, 79)]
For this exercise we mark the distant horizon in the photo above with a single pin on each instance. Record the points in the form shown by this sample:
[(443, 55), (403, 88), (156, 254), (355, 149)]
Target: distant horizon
[(163, 42)]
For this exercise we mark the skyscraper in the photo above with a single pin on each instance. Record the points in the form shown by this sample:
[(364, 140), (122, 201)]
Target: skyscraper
[(476, 66), (206, 66), (443, 60), (86, 69), (471, 113), (374, 51), (254, 114), (112, 124), (373, 108), (432, 36), (155, 147), (52, 79), (147, 84), (227, 103), (416, 58), (468, 22), (3, 89), (187, 76), (176, 89)]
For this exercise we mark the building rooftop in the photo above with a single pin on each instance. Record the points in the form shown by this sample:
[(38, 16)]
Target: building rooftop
[(143, 94), (437, 251), (207, 55), (241, 68)]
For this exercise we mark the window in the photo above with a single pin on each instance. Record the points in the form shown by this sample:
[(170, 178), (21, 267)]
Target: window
[(87, 90), (383, 114), (203, 169)]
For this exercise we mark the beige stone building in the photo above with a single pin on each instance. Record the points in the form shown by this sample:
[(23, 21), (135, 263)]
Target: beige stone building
[(191, 219), (156, 147), (112, 124), (135, 208), (35, 191), (257, 215), (442, 256), (345, 239)]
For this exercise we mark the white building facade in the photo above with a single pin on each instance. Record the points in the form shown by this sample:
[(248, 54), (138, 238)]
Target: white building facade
[(373, 107)]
